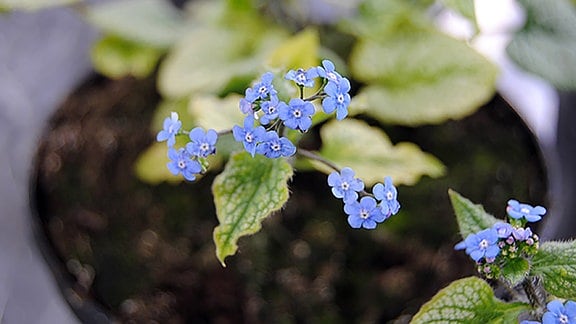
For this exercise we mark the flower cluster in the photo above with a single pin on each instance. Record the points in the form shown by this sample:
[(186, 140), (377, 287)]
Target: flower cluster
[(370, 209), (267, 115), (187, 160), (491, 248), (557, 312)]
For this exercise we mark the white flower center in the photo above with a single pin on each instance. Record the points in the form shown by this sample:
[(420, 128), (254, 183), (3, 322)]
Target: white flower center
[(248, 137), (297, 113), (271, 110), (204, 146), (331, 76), (340, 98), (389, 195), (563, 318), (345, 185), (262, 90), (483, 244), (364, 214), (525, 210), (275, 147), (181, 164)]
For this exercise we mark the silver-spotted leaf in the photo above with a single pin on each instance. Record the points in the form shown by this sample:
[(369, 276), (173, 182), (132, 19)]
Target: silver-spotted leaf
[(369, 152), (555, 262), (245, 193), (471, 217), (515, 271), (468, 300)]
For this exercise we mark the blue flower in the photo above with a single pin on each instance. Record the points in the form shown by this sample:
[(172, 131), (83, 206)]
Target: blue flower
[(246, 106), (529, 322), (364, 213), (328, 72), (522, 234), (338, 98), (504, 230), (273, 146), (261, 90), (388, 195), (249, 136), (481, 245), (518, 210), (302, 77), (270, 109), (181, 162), (202, 143), (297, 114), (344, 185), (559, 313), (170, 129)]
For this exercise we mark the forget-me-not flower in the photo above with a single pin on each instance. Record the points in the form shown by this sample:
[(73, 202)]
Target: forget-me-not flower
[(344, 185), (364, 213), (503, 229), (519, 210), (250, 136), (270, 109), (303, 77), (338, 98), (273, 146), (559, 313), (327, 71), (483, 244), (181, 162), (388, 195), (522, 234), (170, 129), (297, 114), (261, 90), (202, 143)]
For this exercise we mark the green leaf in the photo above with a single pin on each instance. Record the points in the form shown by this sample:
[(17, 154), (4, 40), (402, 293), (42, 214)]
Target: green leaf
[(369, 152), (115, 58), (471, 218), (546, 46), (33, 4), (421, 77), (468, 300), (555, 262), (515, 270), (151, 22), (208, 58), (245, 193)]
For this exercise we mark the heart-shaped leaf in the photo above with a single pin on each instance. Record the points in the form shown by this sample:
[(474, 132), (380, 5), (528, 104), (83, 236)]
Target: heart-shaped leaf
[(468, 300), (245, 193), (369, 152), (471, 218), (555, 262), (421, 77)]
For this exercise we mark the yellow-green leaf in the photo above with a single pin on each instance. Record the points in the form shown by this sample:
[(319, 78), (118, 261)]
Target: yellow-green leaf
[(369, 152), (468, 300), (115, 58), (151, 168), (245, 193), (421, 77), (217, 113), (298, 51), (33, 4), (153, 23)]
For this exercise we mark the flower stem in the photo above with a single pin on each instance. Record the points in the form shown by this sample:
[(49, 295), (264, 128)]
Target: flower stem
[(313, 156)]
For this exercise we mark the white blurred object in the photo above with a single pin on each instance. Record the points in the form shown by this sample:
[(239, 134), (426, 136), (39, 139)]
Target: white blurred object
[(534, 99)]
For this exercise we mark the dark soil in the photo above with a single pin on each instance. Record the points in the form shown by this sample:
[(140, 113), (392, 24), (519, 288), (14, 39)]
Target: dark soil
[(145, 253)]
